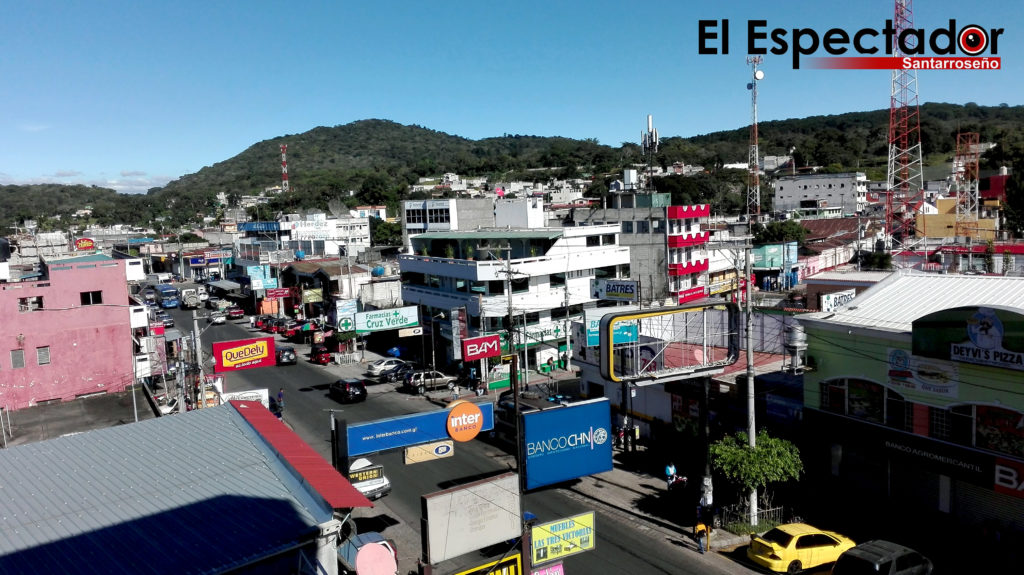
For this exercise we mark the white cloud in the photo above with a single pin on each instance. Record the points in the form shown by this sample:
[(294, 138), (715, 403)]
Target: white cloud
[(66, 174), (132, 173), (33, 127)]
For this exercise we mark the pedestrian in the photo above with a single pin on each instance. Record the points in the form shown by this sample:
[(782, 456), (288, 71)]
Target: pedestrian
[(700, 533), (670, 473), (280, 399), (551, 365), (252, 322), (455, 392)]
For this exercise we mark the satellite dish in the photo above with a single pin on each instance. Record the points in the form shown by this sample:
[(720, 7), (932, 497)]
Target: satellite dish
[(759, 74)]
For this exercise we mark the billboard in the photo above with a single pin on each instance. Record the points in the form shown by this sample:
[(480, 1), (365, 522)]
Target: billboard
[(243, 354), (836, 300), (614, 290), (481, 347), (558, 539), (406, 430), (563, 443), (386, 319), (260, 395), (986, 336), (471, 516), (85, 244)]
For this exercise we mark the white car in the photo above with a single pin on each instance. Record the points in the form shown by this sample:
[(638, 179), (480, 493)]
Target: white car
[(369, 479), (382, 365), (216, 318)]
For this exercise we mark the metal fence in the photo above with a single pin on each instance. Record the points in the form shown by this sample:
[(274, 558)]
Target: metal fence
[(739, 514)]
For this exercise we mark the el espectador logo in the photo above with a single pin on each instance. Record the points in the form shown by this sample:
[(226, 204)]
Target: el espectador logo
[(968, 47)]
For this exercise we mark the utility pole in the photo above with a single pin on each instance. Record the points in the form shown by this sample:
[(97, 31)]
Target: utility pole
[(750, 384), (197, 342)]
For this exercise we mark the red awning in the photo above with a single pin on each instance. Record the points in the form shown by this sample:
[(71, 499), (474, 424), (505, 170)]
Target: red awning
[(318, 473)]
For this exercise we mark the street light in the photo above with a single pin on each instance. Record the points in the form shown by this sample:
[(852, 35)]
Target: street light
[(433, 351)]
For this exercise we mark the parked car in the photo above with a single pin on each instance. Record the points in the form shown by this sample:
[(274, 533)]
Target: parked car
[(286, 355), (168, 321), (348, 390), (216, 318), (213, 302), (793, 547), (398, 372), (262, 320), (428, 379), (235, 312), (382, 365), (348, 550), (880, 557), (319, 354), (369, 479)]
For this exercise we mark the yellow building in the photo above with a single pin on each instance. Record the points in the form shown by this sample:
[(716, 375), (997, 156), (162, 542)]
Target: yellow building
[(944, 225)]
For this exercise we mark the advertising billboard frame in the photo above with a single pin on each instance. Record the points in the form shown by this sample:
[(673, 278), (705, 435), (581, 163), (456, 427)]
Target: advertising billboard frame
[(243, 354), (406, 430)]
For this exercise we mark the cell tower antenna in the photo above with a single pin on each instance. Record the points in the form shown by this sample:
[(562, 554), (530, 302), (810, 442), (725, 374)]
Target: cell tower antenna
[(284, 168), (965, 183), (753, 162), (649, 140), (905, 186)]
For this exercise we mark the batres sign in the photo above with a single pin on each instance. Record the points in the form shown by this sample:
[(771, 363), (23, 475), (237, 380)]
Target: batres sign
[(243, 354), (481, 347)]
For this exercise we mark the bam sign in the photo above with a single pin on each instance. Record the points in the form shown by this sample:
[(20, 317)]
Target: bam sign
[(386, 319), (481, 347)]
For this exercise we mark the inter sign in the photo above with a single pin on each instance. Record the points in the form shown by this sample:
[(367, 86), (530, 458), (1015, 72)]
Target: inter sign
[(481, 347)]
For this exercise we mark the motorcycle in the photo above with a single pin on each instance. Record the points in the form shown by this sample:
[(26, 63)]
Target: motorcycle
[(677, 482)]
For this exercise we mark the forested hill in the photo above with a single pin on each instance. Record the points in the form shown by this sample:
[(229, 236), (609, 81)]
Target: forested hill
[(378, 159)]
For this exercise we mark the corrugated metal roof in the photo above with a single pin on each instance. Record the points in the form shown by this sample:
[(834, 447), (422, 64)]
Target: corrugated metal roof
[(849, 276), (200, 492), (893, 304), (98, 257)]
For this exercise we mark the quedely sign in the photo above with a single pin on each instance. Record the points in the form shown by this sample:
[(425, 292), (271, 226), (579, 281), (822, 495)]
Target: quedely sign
[(406, 430), (563, 443), (615, 290), (988, 336), (386, 319), (481, 347), (243, 354), (512, 565), (559, 539)]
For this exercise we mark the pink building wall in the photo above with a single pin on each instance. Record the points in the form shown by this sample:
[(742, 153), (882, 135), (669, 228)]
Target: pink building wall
[(90, 346)]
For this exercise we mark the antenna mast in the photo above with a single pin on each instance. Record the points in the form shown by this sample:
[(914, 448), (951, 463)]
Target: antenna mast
[(284, 168), (905, 173), (649, 140), (965, 181), (753, 163)]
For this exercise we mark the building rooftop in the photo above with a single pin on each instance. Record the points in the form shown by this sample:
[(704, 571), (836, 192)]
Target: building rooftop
[(202, 492), (849, 276), (893, 304), (494, 234)]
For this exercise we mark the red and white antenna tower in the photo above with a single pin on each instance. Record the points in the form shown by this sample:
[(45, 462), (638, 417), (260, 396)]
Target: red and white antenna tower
[(905, 190), (753, 162), (284, 168)]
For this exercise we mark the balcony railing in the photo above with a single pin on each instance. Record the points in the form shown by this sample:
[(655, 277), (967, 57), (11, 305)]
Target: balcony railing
[(683, 269), (688, 239)]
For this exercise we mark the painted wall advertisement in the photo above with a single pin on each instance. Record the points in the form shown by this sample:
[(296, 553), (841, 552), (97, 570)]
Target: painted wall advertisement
[(926, 375), (836, 300), (987, 336), (386, 319), (564, 443), (559, 539), (243, 354)]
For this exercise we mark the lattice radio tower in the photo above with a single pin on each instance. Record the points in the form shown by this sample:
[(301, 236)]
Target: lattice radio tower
[(753, 164), (965, 182), (905, 190), (284, 168)]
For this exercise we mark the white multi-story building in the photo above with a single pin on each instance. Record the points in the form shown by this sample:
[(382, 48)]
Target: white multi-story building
[(849, 192), (420, 216), (547, 270)]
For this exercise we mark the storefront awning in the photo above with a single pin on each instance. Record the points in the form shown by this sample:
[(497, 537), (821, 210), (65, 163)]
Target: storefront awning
[(226, 285)]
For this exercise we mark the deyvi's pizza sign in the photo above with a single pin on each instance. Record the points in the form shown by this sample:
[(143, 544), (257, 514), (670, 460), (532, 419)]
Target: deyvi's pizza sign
[(387, 319)]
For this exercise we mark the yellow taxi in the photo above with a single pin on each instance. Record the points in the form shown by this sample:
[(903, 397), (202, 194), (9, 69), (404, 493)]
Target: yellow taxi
[(793, 547)]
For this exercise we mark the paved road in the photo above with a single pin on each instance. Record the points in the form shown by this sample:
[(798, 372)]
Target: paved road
[(623, 544)]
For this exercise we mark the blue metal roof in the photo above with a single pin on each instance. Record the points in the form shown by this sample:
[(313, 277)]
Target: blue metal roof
[(199, 492)]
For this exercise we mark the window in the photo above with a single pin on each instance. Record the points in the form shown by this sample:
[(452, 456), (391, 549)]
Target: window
[(657, 225), (414, 216), (438, 216), (938, 423), (533, 318), (30, 303), (627, 227), (43, 355), (593, 241), (643, 227), (17, 358), (608, 240), (557, 280), (92, 297), (520, 285)]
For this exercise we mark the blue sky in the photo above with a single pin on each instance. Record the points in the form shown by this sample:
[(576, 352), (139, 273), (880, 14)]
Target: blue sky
[(130, 95)]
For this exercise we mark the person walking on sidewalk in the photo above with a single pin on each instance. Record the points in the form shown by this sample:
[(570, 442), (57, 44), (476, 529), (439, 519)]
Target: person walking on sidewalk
[(701, 534), (670, 474), (252, 322)]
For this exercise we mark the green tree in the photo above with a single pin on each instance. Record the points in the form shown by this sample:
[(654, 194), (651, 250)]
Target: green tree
[(990, 257), (385, 233), (778, 232), (1007, 262), (772, 460)]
